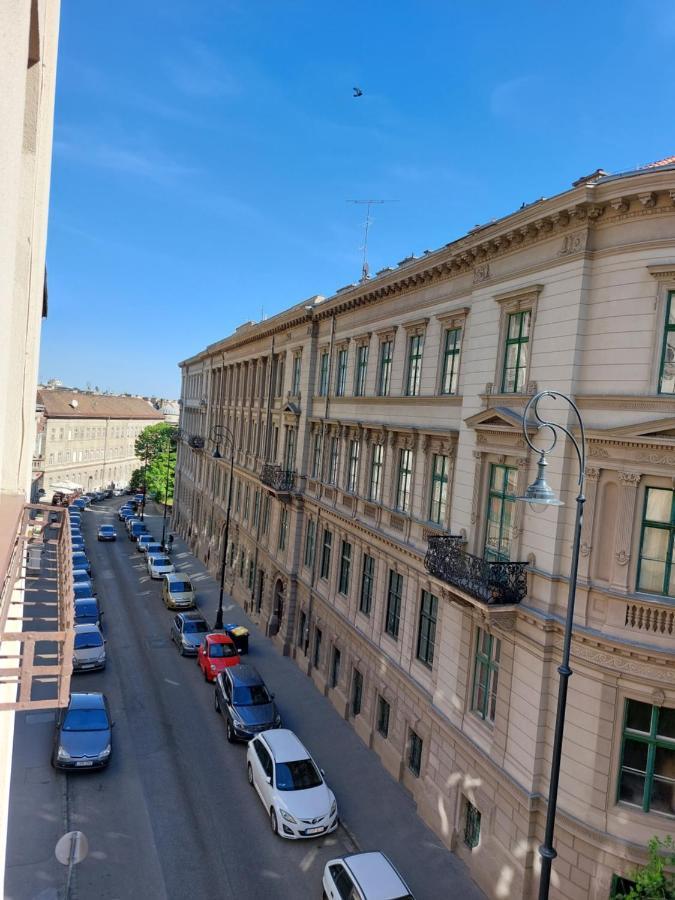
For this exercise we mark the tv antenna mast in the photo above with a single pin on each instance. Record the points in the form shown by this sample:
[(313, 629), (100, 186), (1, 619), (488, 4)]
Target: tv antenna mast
[(365, 270)]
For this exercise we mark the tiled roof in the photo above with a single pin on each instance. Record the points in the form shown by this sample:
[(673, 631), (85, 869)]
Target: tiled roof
[(73, 405), (668, 161)]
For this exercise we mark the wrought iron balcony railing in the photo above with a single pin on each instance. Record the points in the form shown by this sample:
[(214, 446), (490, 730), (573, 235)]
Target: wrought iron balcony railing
[(196, 441), (279, 479), (493, 583)]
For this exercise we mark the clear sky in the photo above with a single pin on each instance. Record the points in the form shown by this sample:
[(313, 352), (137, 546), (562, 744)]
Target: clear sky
[(205, 151)]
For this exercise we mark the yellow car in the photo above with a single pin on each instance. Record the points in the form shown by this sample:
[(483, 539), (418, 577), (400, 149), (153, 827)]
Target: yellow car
[(177, 591)]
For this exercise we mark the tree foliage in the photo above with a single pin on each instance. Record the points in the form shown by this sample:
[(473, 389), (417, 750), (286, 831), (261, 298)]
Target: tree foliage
[(156, 446), (652, 881), (154, 439)]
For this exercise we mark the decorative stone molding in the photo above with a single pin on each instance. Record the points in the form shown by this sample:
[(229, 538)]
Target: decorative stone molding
[(574, 243), (648, 199), (418, 326), (454, 319), (481, 273), (628, 482), (621, 663), (592, 475)]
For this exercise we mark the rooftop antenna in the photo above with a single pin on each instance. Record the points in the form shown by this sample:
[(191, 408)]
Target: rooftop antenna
[(365, 269)]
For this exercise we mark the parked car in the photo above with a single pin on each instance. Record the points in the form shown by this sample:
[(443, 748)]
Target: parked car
[(75, 532), (82, 590), (80, 561), (75, 520), (83, 737), (77, 543), (137, 529), (152, 548), (245, 703), (145, 539), (159, 565), (107, 533), (118, 492), (79, 504), (364, 876), (89, 649), (123, 510), (187, 632), (216, 652), (292, 789), (177, 591), (87, 611), (81, 575)]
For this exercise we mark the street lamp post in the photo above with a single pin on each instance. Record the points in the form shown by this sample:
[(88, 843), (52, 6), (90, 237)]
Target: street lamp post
[(540, 493), (174, 436), (223, 433), (145, 486)]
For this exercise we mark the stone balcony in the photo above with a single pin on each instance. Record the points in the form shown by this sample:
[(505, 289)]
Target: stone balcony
[(491, 583), (278, 479)]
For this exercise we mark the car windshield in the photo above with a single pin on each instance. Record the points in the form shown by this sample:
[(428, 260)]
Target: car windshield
[(79, 557), (161, 561), (297, 776), (180, 587), (251, 695), (195, 627), (86, 720), (221, 651), (88, 641), (106, 528), (85, 609), (80, 577), (153, 548)]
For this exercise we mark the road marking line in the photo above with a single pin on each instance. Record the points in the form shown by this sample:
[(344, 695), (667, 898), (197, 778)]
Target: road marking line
[(169, 681)]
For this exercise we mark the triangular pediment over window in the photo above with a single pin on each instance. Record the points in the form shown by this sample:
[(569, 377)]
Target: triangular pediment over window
[(658, 431), (290, 407), (498, 418)]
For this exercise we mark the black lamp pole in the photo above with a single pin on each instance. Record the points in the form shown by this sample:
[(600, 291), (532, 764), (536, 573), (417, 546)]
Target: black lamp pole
[(540, 492), (223, 433)]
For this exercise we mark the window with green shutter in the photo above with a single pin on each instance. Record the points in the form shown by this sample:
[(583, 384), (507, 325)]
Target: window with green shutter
[(451, 348), (361, 370), (486, 675), (515, 352), (414, 369), (394, 600), (341, 372), (384, 373), (667, 373), (471, 826), (438, 500), (405, 463), (325, 553), (375, 486), (656, 573), (345, 567), (414, 752), (500, 513), (647, 774), (426, 631), (367, 580)]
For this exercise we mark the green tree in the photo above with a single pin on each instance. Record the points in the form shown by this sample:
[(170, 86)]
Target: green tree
[(162, 465), (652, 882), (136, 481), (153, 440)]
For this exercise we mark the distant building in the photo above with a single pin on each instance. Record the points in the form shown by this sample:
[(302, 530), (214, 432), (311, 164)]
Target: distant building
[(170, 409), (88, 439)]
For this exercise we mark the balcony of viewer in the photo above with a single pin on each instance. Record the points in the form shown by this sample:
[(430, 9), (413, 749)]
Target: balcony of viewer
[(280, 480), (494, 583)]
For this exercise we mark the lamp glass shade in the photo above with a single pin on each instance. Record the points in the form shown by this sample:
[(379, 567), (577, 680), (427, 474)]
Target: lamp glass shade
[(539, 491), (216, 453)]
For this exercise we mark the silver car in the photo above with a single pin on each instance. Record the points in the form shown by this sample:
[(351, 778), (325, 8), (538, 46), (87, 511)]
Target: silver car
[(88, 649), (187, 632)]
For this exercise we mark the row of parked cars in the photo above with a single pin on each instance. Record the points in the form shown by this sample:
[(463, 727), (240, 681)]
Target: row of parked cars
[(298, 801)]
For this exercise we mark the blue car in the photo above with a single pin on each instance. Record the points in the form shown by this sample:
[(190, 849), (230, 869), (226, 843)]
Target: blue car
[(82, 591), (80, 561)]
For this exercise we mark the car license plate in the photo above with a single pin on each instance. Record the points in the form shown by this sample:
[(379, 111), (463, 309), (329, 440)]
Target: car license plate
[(314, 830), (84, 762)]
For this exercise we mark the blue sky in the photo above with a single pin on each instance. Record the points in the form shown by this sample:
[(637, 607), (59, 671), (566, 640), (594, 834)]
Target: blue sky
[(205, 151)]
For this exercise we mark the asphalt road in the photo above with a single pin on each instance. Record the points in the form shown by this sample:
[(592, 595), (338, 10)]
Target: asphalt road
[(173, 815)]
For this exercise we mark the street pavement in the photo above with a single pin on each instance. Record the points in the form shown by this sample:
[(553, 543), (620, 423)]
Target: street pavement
[(173, 814)]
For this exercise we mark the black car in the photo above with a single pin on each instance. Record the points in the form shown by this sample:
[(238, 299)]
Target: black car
[(83, 737), (187, 632), (87, 611), (245, 703)]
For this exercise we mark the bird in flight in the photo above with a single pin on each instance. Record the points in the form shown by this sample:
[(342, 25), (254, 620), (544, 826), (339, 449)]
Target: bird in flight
[(358, 92)]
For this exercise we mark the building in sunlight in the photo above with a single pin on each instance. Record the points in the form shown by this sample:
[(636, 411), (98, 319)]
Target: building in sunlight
[(378, 451)]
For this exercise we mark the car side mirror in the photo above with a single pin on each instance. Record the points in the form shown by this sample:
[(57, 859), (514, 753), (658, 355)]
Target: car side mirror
[(268, 779)]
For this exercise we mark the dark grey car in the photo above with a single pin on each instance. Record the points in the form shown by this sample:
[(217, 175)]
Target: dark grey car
[(83, 737), (187, 632), (245, 703)]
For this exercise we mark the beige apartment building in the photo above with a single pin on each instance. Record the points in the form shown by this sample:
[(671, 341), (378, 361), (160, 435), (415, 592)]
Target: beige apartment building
[(378, 451), (28, 51), (88, 439)]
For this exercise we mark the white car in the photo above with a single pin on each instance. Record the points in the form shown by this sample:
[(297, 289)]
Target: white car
[(88, 649), (297, 799), (159, 565), (363, 876), (144, 539)]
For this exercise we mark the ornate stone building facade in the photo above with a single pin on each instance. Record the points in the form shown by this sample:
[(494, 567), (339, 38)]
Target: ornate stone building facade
[(378, 451)]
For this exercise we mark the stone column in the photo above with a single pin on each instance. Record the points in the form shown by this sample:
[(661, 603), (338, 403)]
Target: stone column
[(629, 483), (591, 490)]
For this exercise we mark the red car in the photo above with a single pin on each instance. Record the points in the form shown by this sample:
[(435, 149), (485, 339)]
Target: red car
[(216, 652)]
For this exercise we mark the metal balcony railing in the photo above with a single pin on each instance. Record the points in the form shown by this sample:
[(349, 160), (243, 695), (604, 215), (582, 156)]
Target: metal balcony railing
[(196, 441), (494, 583), (280, 480)]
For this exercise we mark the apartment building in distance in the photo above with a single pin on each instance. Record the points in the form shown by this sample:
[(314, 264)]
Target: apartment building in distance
[(87, 440), (376, 536)]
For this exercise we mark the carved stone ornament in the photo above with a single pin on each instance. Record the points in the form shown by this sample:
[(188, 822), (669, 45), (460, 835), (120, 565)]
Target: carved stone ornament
[(621, 204), (630, 479), (598, 452), (591, 473), (648, 200), (573, 243), (618, 663), (481, 273), (658, 698), (585, 550), (622, 558)]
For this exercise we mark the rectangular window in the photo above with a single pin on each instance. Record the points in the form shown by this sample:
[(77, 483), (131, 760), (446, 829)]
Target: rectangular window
[(515, 352), (414, 753), (317, 648), (357, 692), (323, 374), (471, 826), (451, 349), (394, 598), (316, 456), (251, 573), (291, 436), (297, 373), (367, 581), (384, 373), (283, 528), (426, 632), (302, 625), (237, 504), (647, 776), (361, 370), (325, 553), (376, 472), (345, 568), (265, 524), (247, 498), (486, 675), (310, 538), (341, 372), (414, 379), (404, 482), (500, 513), (383, 711), (333, 461), (656, 573), (353, 468), (256, 508), (335, 668), (438, 502), (667, 374)]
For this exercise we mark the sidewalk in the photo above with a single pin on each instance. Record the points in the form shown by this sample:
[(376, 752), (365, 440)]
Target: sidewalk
[(377, 811)]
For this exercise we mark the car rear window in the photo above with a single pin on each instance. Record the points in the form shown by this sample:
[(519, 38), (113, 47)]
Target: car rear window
[(85, 609), (297, 776), (251, 695), (180, 587), (195, 627), (87, 641), (222, 651), (86, 720), (161, 561)]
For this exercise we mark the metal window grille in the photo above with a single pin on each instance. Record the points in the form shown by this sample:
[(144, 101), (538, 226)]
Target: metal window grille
[(471, 826)]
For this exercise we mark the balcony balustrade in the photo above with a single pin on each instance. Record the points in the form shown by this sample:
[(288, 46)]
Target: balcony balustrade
[(494, 583), (196, 441), (277, 478)]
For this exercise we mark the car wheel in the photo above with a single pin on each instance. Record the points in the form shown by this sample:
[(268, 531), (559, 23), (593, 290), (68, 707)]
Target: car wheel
[(249, 774), (229, 732), (273, 822), (216, 701)]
